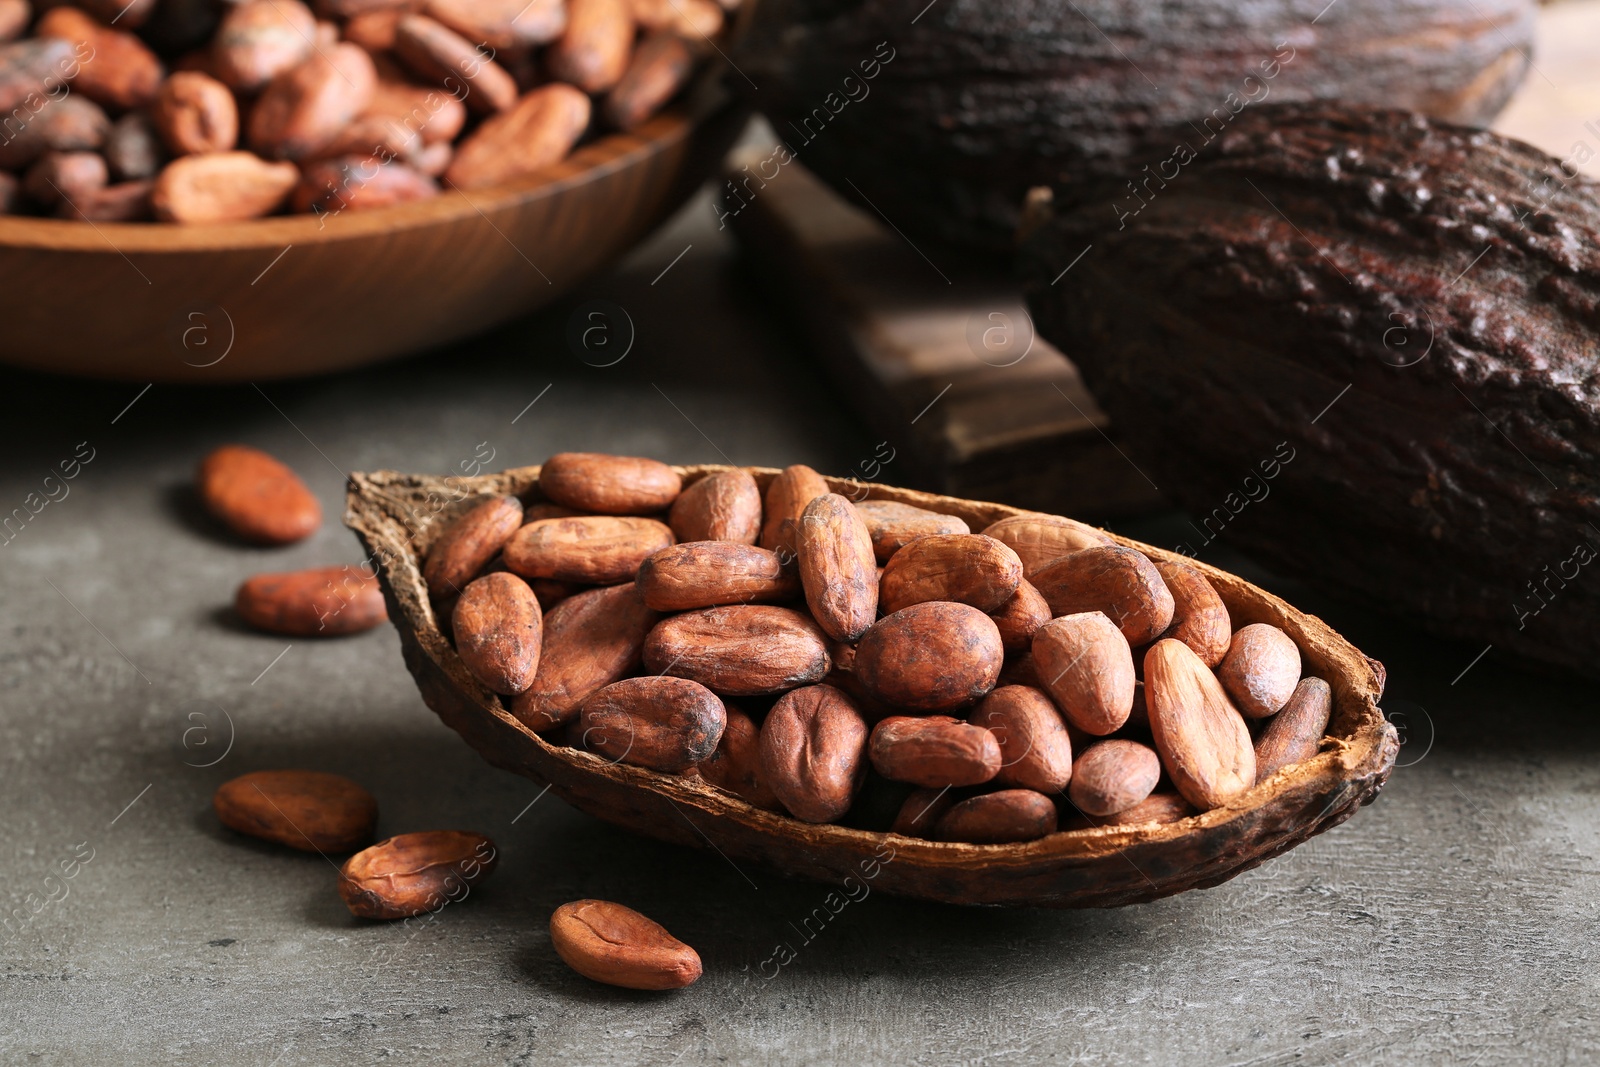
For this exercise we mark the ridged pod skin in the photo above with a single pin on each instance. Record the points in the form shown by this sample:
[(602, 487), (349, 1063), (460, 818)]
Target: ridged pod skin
[(1394, 395)]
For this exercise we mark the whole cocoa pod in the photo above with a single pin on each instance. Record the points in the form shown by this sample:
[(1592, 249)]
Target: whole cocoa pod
[(1351, 265)]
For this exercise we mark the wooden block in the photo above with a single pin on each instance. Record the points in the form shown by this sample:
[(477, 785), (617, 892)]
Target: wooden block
[(936, 355)]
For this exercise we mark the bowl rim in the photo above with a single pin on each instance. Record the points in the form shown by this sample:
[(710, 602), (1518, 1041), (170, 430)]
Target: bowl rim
[(607, 155)]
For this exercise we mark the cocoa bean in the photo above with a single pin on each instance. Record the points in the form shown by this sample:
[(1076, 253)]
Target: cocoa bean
[(1035, 748), (1020, 617), (133, 147), (659, 69), (469, 543), (221, 187), (1203, 741), (788, 494), (359, 183), (593, 52), (1087, 668), (307, 810), (930, 657), (936, 751), (320, 602), (664, 723), (813, 752), (1112, 776), (413, 874), (1199, 618), (724, 506), (921, 811), (997, 818), (589, 640), (118, 70), (1261, 669), (444, 58), (703, 574), (506, 25), (736, 764), (609, 485), (739, 650), (196, 113), (1118, 581), (837, 567), (65, 176), (1039, 540), (256, 496), (893, 526), (304, 108), (497, 624), (617, 946), (260, 39), (1295, 733), (595, 549)]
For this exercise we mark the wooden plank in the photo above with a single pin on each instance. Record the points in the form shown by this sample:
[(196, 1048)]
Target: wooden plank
[(937, 356)]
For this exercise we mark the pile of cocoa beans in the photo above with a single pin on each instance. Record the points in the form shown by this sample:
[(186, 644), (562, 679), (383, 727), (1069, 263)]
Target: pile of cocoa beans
[(870, 663), (198, 111)]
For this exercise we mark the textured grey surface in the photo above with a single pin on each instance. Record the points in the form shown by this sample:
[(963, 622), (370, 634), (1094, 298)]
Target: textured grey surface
[(1454, 920)]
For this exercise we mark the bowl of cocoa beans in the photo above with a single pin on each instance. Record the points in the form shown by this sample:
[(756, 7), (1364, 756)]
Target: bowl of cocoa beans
[(959, 701), (204, 190)]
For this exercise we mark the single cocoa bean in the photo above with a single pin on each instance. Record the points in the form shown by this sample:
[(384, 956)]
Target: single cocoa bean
[(930, 657), (497, 623), (304, 108), (413, 874), (196, 113), (736, 764), (123, 202), (1261, 669), (374, 30), (1084, 663), (1118, 581), (1020, 617), (609, 485), (965, 568), (14, 16), (893, 526), (442, 57), (320, 602), (837, 567), (1202, 738), (359, 183), (1035, 748), (936, 751), (788, 494), (998, 818), (659, 69), (469, 543), (615, 945), (432, 115), (723, 506), (813, 752), (34, 74), (1039, 540), (739, 650), (704, 574), (1295, 733), (1199, 618), (664, 723), (65, 176), (260, 39), (690, 19), (118, 69), (68, 124), (133, 147), (921, 811), (221, 187), (506, 25), (1112, 776), (593, 52), (595, 549), (256, 497), (590, 639), (307, 810), (1155, 808)]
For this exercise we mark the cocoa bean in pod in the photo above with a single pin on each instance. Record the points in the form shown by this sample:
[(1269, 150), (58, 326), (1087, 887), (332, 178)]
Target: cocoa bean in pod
[(959, 130), (1112, 776), (304, 108), (469, 543), (196, 113), (703, 574), (221, 187), (1120, 582), (1199, 618), (1261, 669), (930, 657), (1085, 664), (788, 495), (736, 764), (892, 526), (1042, 539), (1020, 617), (595, 549), (1427, 515), (998, 818), (837, 567), (739, 650), (921, 811), (1203, 741), (1157, 808), (813, 752), (589, 640), (320, 602), (966, 568), (260, 39), (660, 67), (609, 485), (724, 506), (308, 810), (1295, 733), (413, 874), (593, 52), (118, 69), (936, 751), (504, 25), (497, 624), (617, 946), (665, 724), (1035, 749), (256, 496)]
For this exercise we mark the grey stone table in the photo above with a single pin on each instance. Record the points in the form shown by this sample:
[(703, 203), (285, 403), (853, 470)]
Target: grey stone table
[(1454, 920)]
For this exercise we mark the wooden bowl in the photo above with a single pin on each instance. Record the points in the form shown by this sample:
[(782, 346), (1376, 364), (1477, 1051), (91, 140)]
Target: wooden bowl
[(1101, 867), (298, 294)]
